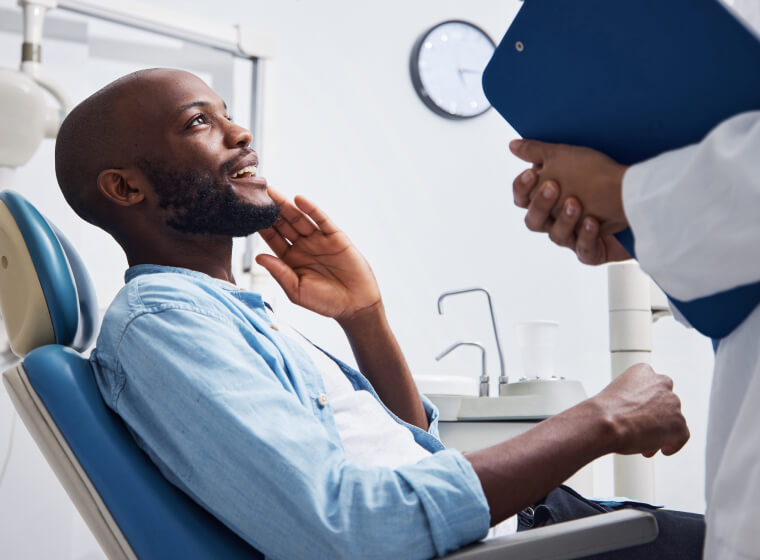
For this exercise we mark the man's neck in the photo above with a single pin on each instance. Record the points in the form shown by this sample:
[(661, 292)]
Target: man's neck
[(210, 255)]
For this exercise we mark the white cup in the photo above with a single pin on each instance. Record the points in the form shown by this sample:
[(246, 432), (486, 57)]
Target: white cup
[(536, 341)]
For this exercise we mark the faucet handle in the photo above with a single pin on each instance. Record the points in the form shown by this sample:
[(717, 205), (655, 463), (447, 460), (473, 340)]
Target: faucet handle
[(484, 379)]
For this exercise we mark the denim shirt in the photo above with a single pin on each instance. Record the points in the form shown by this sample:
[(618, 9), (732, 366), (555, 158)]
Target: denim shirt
[(229, 409)]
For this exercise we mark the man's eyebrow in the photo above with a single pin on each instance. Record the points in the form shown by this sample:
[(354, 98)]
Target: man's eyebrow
[(187, 106)]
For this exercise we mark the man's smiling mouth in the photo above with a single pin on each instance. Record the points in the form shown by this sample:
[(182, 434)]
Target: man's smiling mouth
[(248, 171)]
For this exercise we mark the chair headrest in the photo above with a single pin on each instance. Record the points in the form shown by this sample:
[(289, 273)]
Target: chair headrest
[(46, 295)]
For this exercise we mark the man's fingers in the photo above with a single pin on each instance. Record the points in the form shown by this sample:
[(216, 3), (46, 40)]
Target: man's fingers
[(562, 232), (680, 442), (290, 213), (281, 272), (529, 150), (538, 217), (276, 242), (522, 186), (286, 230), (325, 224)]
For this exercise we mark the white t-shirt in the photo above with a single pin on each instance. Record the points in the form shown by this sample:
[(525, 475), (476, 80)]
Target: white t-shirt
[(368, 433)]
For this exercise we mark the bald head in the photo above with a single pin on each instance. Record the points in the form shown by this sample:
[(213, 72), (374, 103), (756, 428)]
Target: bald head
[(112, 129), (91, 139)]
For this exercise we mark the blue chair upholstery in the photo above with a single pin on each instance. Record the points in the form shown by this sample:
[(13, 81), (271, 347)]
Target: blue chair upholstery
[(156, 518)]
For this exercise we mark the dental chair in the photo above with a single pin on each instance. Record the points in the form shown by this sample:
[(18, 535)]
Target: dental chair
[(50, 311)]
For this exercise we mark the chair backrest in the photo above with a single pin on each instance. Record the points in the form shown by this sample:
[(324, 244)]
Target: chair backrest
[(50, 311)]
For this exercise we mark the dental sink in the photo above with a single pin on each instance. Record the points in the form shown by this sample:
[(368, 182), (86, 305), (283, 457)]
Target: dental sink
[(530, 399), (469, 423)]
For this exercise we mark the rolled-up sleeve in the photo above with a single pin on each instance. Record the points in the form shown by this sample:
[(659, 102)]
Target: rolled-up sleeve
[(217, 418)]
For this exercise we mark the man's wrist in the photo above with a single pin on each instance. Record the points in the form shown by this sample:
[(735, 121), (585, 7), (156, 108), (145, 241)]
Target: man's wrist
[(600, 426), (364, 318)]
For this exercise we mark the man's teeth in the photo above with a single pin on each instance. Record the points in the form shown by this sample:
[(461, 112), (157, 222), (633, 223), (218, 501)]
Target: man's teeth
[(245, 172)]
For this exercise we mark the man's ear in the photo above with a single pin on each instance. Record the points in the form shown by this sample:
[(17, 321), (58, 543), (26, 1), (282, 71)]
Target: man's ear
[(117, 186)]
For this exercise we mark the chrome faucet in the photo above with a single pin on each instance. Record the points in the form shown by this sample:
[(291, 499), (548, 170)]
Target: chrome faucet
[(483, 392), (503, 379)]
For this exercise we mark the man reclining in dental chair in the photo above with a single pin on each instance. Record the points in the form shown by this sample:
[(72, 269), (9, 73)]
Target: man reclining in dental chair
[(272, 435)]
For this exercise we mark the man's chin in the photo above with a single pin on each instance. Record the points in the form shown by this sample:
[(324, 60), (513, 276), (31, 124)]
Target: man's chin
[(236, 220)]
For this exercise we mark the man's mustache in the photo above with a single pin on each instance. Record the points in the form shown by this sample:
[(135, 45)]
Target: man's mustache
[(228, 166)]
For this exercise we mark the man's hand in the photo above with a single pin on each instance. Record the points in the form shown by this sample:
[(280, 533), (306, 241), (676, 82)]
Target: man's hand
[(590, 177), (320, 269), (644, 413), (317, 266), (636, 413)]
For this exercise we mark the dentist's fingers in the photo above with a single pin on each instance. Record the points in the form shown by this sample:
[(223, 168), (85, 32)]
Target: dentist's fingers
[(589, 247), (522, 186), (562, 231), (539, 218), (530, 150), (324, 223)]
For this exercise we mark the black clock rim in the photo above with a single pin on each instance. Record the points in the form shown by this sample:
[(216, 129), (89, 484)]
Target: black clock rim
[(414, 71)]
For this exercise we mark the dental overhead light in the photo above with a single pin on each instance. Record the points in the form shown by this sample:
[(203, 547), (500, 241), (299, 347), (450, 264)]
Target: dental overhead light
[(25, 117)]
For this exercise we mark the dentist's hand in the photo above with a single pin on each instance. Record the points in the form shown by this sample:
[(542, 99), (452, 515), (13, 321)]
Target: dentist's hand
[(569, 228), (317, 265), (592, 178), (643, 412)]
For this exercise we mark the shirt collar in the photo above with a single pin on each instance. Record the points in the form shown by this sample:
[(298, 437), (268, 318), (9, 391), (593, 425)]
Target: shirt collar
[(140, 269)]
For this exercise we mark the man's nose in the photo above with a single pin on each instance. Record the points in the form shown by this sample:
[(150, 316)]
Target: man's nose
[(238, 136)]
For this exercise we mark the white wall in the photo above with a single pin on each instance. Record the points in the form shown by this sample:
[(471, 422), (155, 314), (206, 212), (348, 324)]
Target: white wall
[(427, 200)]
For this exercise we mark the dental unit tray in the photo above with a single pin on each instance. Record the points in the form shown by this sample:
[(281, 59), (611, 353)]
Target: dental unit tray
[(533, 399), (632, 80)]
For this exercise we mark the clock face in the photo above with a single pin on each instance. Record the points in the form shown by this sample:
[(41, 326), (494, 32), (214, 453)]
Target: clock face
[(447, 64)]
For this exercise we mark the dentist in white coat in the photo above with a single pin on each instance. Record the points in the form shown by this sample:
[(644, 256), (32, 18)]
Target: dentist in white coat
[(695, 214)]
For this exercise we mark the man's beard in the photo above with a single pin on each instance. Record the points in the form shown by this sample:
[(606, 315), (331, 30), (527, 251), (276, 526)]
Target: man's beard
[(197, 203)]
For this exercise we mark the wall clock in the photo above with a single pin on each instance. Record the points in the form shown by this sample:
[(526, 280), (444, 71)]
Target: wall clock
[(446, 67)]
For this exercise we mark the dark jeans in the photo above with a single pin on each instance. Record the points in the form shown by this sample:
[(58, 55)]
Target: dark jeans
[(681, 534)]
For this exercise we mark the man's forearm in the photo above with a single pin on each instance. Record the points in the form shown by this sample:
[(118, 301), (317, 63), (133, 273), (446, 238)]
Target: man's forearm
[(380, 359), (636, 413), (517, 472)]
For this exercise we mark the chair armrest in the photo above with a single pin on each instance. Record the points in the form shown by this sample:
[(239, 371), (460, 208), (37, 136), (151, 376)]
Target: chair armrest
[(571, 539)]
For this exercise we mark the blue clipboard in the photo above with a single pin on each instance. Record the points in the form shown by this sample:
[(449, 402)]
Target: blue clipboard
[(630, 79)]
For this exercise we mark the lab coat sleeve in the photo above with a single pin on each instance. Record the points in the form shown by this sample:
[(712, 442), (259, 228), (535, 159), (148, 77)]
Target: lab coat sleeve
[(694, 211), (256, 456)]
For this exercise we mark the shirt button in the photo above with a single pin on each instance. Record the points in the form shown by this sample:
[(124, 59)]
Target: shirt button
[(322, 400), (274, 327)]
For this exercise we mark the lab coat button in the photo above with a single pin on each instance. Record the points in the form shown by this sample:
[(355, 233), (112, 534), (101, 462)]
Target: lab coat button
[(322, 400), (274, 327)]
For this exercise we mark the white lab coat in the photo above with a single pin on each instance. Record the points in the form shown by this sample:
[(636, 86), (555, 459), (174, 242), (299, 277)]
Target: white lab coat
[(695, 213)]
